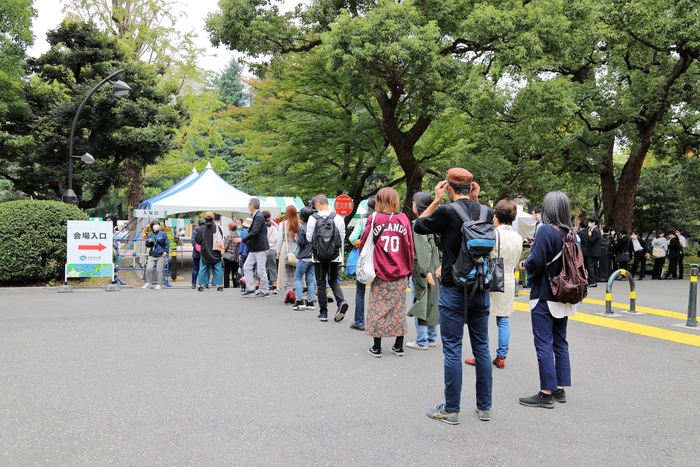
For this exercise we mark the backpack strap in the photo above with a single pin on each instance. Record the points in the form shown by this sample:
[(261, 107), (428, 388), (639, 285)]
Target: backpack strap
[(561, 234), (483, 212)]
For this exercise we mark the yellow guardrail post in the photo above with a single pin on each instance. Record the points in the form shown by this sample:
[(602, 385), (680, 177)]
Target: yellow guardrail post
[(693, 297), (608, 291)]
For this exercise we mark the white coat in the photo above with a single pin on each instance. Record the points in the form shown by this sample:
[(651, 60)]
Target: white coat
[(511, 249)]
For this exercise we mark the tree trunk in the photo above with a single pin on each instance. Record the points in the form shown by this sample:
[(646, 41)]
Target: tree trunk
[(134, 193), (627, 190), (607, 181), (403, 144)]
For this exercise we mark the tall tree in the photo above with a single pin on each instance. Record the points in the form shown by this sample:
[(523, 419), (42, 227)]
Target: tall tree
[(15, 36), (138, 127), (411, 58), (231, 88)]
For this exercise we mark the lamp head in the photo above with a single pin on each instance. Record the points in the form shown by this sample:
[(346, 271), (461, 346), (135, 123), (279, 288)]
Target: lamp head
[(87, 158), (120, 88)]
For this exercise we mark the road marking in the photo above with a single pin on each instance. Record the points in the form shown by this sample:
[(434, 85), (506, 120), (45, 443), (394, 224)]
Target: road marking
[(626, 326)]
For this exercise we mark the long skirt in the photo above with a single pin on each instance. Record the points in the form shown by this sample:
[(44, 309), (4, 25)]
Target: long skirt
[(386, 310)]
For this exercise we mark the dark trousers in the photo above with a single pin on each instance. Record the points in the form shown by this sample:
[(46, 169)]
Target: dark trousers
[(658, 267), (672, 268), (592, 268), (330, 271), (551, 346), (640, 258), (680, 267), (230, 269), (195, 270), (604, 266)]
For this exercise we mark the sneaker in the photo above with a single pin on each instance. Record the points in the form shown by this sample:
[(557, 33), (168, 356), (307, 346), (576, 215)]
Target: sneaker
[(559, 395), (322, 316), (158, 287), (470, 361), (299, 306), (330, 300), (274, 290), (287, 297), (247, 293), (194, 286), (375, 352), (262, 295), (484, 415), (340, 314), (398, 351), (310, 305), (438, 413), (146, 285), (220, 288), (432, 344), (415, 345), (200, 288), (356, 327), (500, 362), (206, 286), (538, 400)]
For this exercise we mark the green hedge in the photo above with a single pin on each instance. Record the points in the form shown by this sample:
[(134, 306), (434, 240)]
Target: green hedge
[(33, 239)]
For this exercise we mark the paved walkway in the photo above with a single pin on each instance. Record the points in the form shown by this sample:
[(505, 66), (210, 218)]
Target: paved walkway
[(178, 377)]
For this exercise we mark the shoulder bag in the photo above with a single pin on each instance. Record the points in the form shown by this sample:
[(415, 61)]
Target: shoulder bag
[(498, 279), (365, 271)]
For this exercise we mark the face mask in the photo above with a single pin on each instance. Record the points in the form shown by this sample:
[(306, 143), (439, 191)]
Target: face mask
[(634, 237), (156, 228)]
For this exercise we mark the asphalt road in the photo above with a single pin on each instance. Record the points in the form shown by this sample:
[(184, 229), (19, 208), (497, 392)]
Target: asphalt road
[(176, 377)]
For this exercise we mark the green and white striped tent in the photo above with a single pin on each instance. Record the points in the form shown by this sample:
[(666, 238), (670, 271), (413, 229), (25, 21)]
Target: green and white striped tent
[(284, 201)]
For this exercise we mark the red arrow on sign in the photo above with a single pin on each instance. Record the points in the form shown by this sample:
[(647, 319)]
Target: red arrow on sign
[(98, 247)]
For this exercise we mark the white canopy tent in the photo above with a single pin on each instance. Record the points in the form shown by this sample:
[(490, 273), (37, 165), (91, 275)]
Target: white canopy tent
[(206, 192), (524, 223)]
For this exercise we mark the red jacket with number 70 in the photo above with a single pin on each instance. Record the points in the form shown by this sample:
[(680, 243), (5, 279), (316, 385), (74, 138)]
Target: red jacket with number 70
[(393, 254)]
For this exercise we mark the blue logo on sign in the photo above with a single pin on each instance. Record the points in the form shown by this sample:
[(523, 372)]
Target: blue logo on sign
[(83, 258)]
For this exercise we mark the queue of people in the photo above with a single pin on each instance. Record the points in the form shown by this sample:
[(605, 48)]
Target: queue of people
[(307, 246)]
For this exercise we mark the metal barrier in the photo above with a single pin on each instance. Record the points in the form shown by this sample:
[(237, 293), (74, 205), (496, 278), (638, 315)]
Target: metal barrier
[(608, 290), (693, 297)]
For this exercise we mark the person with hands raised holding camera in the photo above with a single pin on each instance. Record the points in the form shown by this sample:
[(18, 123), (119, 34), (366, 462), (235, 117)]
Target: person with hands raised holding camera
[(460, 187)]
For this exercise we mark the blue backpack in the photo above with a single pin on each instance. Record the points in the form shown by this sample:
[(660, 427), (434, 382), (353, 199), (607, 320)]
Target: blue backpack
[(473, 268)]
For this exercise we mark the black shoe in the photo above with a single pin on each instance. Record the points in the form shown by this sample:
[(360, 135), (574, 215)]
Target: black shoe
[(538, 400), (194, 286), (375, 352), (593, 285), (340, 314), (356, 327), (206, 286), (398, 351), (559, 395), (330, 300), (219, 289), (200, 288)]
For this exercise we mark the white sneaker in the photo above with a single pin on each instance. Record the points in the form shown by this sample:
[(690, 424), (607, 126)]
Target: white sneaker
[(414, 345), (158, 287), (432, 344), (147, 285)]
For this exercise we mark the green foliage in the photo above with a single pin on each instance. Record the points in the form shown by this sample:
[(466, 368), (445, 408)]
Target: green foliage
[(15, 36), (231, 89), (140, 127), (33, 239)]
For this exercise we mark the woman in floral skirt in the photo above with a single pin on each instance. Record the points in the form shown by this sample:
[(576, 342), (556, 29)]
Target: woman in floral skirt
[(393, 261)]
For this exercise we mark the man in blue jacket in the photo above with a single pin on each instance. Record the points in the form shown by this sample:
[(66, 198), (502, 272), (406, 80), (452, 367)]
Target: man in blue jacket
[(158, 242)]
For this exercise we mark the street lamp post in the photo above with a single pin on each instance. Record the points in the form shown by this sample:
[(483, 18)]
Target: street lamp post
[(119, 88)]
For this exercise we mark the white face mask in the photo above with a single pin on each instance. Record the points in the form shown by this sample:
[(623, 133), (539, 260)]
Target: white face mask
[(156, 228), (634, 237)]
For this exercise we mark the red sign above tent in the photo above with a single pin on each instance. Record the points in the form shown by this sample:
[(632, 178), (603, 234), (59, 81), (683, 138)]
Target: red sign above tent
[(343, 205)]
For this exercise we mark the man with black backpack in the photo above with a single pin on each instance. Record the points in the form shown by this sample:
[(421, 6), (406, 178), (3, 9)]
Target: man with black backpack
[(447, 221), (325, 231)]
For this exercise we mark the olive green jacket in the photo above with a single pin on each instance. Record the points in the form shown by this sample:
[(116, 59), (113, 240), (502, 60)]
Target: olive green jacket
[(427, 259)]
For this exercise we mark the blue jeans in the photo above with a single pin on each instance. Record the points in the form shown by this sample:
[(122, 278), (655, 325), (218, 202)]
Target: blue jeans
[(305, 269), (425, 334), (551, 346), (451, 305), (503, 324), (203, 278), (360, 303)]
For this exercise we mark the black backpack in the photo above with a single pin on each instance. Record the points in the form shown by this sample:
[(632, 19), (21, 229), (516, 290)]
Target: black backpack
[(473, 268), (326, 241)]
